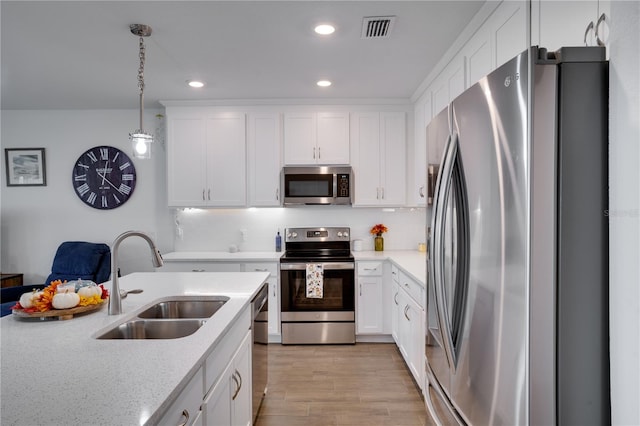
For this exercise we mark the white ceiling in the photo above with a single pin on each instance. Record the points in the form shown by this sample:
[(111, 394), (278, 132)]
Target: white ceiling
[(80, 54)]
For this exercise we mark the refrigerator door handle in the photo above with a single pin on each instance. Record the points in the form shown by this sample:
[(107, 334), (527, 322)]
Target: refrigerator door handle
[(452, 183), (443, 186)]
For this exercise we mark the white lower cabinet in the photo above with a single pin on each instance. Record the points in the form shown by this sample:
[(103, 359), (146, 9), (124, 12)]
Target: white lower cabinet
[(408, 323), (228, 401), (370, 302), (219, 393)]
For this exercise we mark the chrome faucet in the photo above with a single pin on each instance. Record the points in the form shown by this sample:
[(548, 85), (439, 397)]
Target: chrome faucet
[(115, 298)]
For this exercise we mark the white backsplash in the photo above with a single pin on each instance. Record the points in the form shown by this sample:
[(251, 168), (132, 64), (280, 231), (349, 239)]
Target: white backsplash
[(218, 229)]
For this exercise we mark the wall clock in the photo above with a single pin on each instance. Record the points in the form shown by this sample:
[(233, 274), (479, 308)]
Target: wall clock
[(104, 177)]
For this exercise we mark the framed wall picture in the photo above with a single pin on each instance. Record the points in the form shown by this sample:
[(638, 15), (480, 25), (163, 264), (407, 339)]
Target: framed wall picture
[(25, 166)]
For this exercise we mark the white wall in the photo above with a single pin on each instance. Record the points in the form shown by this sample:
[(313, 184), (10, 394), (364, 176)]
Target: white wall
[(35, 220), (624, 211)]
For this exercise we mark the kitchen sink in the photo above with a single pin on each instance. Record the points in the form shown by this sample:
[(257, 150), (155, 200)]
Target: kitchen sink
[(185, 308), (168, 319), (153, 329)]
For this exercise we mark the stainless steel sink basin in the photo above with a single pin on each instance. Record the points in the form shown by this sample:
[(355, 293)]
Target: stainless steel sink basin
[(154, 329), (185, 308)]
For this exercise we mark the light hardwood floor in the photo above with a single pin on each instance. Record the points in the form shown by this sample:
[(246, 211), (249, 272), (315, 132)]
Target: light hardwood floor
[(362, 384)]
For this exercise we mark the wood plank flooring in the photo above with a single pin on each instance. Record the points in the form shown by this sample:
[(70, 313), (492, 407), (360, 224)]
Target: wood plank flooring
[(322, 385)]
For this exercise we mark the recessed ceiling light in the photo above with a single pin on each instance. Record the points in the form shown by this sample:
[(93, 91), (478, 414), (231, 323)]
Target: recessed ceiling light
[(324, 83), (324, 29), (195, 84)]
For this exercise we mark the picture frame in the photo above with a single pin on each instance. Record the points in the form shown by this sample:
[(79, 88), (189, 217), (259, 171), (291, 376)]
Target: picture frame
[(25, 166)]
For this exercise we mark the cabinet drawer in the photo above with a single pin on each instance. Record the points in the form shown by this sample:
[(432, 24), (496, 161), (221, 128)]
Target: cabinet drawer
[(270, 267), (395, 274), (414, 289), (369, 268), (187, 405), (199, 267)]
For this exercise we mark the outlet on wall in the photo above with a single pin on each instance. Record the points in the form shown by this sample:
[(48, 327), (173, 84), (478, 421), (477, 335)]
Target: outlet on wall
[(243, 232)]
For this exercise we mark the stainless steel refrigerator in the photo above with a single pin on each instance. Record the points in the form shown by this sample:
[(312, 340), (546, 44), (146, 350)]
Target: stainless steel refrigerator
[(517, 286)]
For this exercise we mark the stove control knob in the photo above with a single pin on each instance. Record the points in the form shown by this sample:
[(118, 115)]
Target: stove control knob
[(339, 233), (344, 234), (294, 235)]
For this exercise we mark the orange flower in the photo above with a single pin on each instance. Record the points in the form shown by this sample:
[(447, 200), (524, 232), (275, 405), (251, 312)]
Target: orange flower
[(46, 298), (378, 229)]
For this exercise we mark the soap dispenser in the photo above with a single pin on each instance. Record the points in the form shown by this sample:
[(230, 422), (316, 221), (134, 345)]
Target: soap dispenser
[(278, 242)]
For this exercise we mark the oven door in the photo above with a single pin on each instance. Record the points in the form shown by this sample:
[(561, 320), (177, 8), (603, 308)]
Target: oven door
[(337, 302)]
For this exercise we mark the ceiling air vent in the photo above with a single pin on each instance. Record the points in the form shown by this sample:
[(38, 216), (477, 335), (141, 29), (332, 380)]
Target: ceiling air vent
[(377, 26)]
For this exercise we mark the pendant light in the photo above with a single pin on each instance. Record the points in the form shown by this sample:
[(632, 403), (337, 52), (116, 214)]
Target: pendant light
[(141, 140)]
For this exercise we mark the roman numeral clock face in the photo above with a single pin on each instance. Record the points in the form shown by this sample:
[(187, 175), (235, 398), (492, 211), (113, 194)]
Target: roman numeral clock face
[(104, 177)]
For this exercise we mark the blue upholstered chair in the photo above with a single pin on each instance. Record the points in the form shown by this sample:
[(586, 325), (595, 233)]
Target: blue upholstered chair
[(73, 260)]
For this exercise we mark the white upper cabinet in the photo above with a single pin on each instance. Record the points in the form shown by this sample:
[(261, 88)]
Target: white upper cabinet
[(264, 159), (316, 138), (186, 157), (206, 158), (569, 23), (378, 146)]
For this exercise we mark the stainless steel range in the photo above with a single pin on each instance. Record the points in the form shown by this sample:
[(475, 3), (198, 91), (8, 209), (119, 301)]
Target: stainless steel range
[(317, 279)]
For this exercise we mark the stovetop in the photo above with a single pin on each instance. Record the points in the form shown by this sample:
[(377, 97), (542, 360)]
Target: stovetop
[(319, 244)]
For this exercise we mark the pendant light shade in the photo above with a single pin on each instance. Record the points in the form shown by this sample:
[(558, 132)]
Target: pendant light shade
[(140, 140)]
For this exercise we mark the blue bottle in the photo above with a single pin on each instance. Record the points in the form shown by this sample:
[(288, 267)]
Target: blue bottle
[(278, 242)]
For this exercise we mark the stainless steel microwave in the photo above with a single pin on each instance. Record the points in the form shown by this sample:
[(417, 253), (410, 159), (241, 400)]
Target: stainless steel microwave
[(317, 185)]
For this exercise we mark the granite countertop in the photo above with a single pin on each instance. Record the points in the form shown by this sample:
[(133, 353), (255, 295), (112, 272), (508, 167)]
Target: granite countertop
[(222, 256), (56, 372)]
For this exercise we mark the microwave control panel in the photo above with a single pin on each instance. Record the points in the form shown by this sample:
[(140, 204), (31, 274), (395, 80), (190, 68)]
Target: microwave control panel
[(343, 185)]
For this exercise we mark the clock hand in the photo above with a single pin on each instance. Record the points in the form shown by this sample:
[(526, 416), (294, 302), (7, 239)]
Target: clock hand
[(104, 179), (106, 163)]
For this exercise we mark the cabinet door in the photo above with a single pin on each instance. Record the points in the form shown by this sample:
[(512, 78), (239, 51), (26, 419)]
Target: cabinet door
[(365, 148), (241, 399), (422, 116), (226, 160), (264, 159), (300, 138), (369, 305), (393, 159), (395, 312), (562, 23), (217, 405), (229, 400), (186, 159), (332, 138), (509, 29), (274, 306), (414, 339)]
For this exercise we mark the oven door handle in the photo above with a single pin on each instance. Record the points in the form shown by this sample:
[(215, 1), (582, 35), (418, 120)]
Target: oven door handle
[(325, 266)]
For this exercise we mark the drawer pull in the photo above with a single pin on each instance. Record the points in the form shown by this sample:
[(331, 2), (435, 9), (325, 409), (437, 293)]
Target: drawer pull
[(406, 308), (197, 270), (395, 298), (261, 269), (185, 414)]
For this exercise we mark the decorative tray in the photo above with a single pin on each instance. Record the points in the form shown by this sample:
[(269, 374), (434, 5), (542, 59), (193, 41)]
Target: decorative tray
[(61, 314)]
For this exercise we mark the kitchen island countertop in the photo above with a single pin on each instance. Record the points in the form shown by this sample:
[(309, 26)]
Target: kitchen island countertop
[(56, 372)]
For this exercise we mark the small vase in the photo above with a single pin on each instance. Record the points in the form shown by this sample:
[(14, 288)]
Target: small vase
[(378, 243)]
